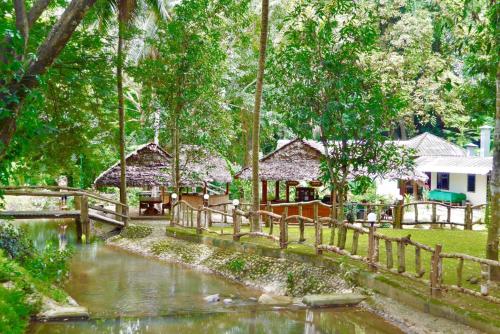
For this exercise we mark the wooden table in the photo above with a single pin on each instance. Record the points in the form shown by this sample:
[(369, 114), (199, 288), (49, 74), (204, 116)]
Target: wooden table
[(149, 203)]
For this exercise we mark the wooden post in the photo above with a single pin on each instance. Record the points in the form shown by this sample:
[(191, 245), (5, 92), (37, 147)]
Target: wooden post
[(209, 218), (415, 206), (287, 193), (435, 275), (433, 213), (318, 231), (376, 250), (448, 214), (355, 238), (225, 211), (398, 215), (388, 251), (78, 224), (236, 224), (264, 191), (277, 190), (468, 217), (84, 217), (268, 218), (118, 209), (418, 262), (192, 216), (301, 222), (283, 237), (371, 247), (198, 220), (125, 211), (401, 257)]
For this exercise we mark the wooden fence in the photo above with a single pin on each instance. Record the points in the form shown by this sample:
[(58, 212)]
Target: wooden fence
[(441, 214), (393, 258)]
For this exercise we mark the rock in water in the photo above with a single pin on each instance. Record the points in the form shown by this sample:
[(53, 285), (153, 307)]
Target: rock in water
[(212, 298), (227, 301), (340, 299), (268, 299)]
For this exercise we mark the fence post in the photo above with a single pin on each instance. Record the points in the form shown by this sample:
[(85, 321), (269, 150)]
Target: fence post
[(236, 224), (269, 219), (415, 206), (126, 213), (433, 213), (468, 217), (78, 221), (398, 215), (318, 231), (84, 217), (371, 247), (283, 236), (301, 222), (435, 274), (198, 220), (225, 211)]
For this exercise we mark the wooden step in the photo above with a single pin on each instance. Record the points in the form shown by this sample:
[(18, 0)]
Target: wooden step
[(105, 219)]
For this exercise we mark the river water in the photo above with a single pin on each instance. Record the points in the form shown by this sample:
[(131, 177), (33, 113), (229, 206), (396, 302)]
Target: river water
[(126, 293)]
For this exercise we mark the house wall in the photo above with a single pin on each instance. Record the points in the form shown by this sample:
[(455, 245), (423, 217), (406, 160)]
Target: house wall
[(458, 184)]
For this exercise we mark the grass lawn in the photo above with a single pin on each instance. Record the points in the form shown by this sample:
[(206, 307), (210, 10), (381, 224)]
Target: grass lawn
[(453, 241)]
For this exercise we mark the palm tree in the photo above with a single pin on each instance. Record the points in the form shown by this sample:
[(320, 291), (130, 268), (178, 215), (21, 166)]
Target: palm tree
[(256, 112)]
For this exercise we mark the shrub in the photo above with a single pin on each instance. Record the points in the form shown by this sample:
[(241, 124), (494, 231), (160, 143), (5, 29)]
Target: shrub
[(15, 242), (51, 265), (236, 265), (136, 231)]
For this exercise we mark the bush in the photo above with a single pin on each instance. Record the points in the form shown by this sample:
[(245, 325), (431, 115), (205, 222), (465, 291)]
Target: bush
[(136, 231), (236, 265), (51, 265), (15, 242)]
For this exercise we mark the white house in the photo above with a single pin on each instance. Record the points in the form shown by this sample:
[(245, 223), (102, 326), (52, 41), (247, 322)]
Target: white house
[(448, 166)]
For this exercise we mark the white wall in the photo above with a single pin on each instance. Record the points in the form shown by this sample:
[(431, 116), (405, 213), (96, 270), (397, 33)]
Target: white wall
[(387, 187), (458, 184)]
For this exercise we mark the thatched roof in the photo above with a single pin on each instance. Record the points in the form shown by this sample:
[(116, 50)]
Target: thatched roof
[(299, 160), (296, 160), (199, 165), (148, 165)]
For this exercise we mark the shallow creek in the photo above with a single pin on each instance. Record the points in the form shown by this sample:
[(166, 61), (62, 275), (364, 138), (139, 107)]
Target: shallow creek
[(126, 293)]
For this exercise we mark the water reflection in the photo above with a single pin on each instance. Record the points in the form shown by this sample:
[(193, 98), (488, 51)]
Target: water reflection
[(126, 293)]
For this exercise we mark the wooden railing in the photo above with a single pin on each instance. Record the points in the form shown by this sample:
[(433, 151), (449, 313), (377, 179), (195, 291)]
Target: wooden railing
[(393, 214), (393, 258), (83, 205)]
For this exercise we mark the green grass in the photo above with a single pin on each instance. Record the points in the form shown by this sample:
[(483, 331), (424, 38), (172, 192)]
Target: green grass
[(453, 241)]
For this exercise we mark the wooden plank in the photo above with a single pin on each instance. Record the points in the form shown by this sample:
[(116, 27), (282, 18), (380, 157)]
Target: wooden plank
[(116, 212), (104, 219), (40, 214)]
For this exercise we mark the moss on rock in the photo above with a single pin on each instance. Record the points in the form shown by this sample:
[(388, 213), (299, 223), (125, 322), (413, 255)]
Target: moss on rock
[(136, 231)]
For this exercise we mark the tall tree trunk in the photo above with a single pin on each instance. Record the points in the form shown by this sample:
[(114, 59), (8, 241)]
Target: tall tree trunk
[(494, 226), (256, 112), (121, 112)]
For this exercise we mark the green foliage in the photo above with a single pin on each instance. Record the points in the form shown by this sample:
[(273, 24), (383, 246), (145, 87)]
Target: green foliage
[(136, 231), (236, 265), (15, 242), (50, 265), (320, 82)]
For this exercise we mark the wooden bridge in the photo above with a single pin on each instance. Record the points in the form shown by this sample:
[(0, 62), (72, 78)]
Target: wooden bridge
[(84, 211)]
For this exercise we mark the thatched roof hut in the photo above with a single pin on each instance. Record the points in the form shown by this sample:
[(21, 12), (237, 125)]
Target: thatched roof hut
[(199, 165), (296, 160), (299, 160), (148, 165)]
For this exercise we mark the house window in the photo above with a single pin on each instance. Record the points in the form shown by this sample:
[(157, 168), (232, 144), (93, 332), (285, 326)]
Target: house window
[(443, 181), (471, 183)]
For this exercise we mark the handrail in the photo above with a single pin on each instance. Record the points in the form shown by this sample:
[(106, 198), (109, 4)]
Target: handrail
[(17, 191)]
